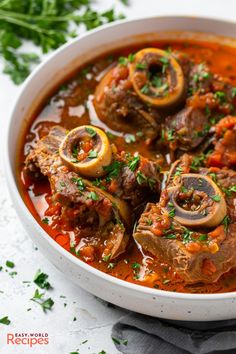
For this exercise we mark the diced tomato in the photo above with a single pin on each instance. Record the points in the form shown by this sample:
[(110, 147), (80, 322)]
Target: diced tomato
[(228, 122)]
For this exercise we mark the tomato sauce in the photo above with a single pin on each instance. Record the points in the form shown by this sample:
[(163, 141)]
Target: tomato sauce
[(70, 106)]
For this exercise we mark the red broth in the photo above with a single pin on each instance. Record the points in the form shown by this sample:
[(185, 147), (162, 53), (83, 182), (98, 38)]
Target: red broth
[(70, 106)]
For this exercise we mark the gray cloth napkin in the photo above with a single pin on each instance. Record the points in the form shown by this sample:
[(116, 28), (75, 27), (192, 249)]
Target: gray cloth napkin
[(139, 334)]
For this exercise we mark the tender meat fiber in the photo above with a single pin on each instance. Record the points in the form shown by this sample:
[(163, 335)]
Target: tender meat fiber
[(192, 258), (121, 109), (132, 185), (45, 155), (186, 129), (81, 203)]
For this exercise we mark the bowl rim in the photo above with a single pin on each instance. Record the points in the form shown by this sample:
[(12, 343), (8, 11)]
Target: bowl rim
[(21, 207)]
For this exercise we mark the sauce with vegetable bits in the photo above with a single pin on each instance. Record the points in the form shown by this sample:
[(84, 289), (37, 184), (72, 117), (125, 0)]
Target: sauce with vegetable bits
[(72, 105)]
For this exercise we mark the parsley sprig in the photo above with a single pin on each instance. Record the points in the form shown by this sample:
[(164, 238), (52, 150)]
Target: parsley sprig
[(45, 23)]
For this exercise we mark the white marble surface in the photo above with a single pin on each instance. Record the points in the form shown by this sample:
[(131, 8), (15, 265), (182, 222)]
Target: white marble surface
[(94, 318)]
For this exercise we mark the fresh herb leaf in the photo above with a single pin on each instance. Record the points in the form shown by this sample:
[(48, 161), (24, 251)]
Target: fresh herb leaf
[(45, 23), (171, 236), (5, 320), (136, 265), (79, 183), (113, 169), (170, 134), (45, 221), (92, 154), (221, 96), (216, 198), (93, 195), (203, 237), (141, 66), (91, 132), (106, 258), (226, 222), (133, 163), (40, 279), (45, 304), (145, 89), (141, 178), (130, 138), (10, 264)]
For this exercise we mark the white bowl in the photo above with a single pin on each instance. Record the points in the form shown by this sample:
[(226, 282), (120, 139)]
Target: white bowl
[(171, 305)]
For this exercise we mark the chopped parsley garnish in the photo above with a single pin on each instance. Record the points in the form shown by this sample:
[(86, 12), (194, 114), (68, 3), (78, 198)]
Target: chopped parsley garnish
[(171, 236), (220, 95), (45, 23), (45, 304), (145, 89), (10, 264), (149, 222), (226, 222), (40, 279), (141, 178), (122, 61), (165, 62), (110, 135), (106, 258), (93, 195), (75, 151), (136, 265), (45, 221), (113, 170), (183, 189), (172, 213), (5, 320), (141, 66), (203, 237), (111, 265), (79, 183), (216, 198), (12, 274), (187, 236), (91, 131), (130, 138), (120, 341), (170, 134), (131, 56), (178, 171), (213, 176), (197, 161), (133, 163), (157, 81), (92, 154)]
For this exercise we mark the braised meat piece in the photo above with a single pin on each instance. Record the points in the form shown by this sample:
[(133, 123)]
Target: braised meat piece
[(121, 109), (186, 129), (44, 158), (197, 253), (132, 178), (101, 204)]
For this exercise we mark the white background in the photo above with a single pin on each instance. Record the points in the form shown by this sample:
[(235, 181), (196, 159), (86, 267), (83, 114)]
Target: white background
[(94, 318)]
